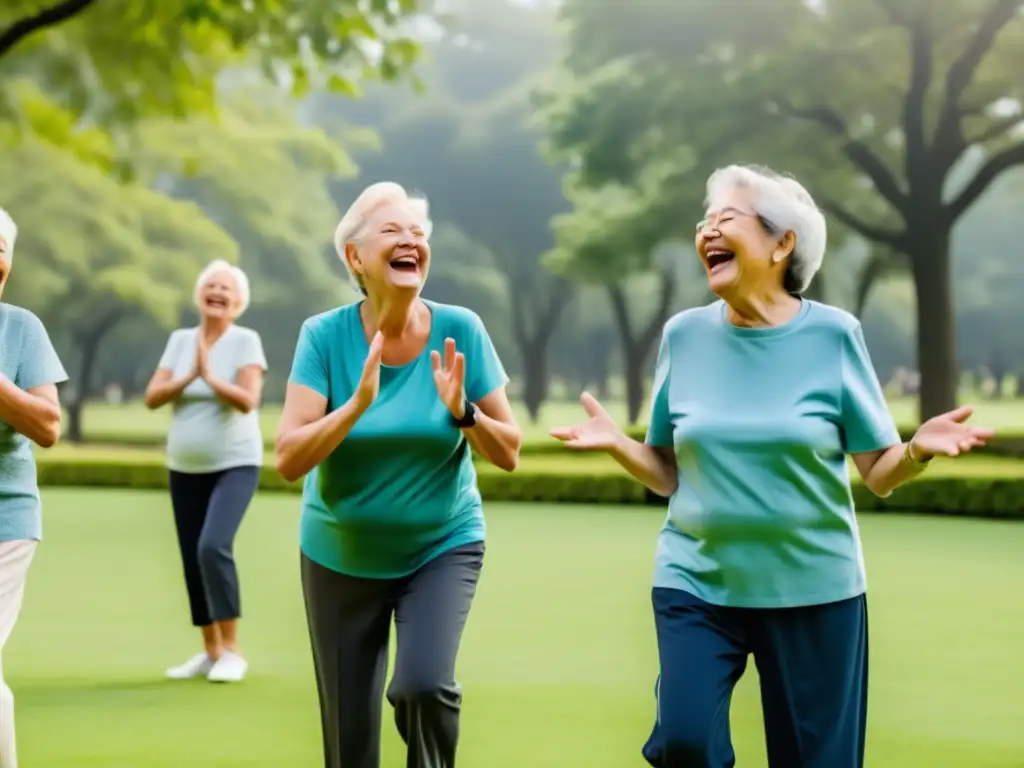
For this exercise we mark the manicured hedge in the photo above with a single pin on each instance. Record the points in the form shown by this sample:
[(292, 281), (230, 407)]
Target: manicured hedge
[(1008, 445), (976, 497)]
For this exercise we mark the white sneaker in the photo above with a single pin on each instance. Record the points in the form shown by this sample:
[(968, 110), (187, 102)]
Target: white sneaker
[(229, 668), (198, 666)]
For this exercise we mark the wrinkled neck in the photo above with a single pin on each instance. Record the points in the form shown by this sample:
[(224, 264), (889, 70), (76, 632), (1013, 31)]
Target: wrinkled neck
[(393, 316), (762, 310), (212, 328)]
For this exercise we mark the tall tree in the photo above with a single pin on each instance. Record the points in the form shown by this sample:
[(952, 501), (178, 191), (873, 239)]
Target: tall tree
[(875, 103)]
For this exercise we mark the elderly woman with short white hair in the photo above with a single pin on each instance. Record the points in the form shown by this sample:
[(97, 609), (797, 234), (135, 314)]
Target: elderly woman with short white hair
[(387, 399), (758, 400), (213, 377), (29, 413)]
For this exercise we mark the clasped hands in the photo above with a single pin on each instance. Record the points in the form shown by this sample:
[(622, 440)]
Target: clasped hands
[(449, 376)]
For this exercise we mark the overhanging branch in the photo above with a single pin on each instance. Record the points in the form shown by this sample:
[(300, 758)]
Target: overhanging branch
[(862, 156), (48, 17), (999, 162), (949, 140), (892, 238)]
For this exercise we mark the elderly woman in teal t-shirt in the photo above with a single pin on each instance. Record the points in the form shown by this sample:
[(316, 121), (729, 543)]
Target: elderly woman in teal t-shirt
[(386, 401), (29, 413), (758, 400)]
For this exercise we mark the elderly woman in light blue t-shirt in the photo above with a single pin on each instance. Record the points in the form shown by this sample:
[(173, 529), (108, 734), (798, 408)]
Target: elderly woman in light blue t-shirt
[(29, 413), (758, 400), (213, 376)]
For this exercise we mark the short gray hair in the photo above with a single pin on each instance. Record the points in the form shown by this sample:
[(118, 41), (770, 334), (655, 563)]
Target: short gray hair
[(353, 224), (784, 205), (8, 231), (241, 280)]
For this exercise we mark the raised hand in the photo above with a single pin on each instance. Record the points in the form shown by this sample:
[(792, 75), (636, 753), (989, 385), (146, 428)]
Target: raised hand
[(948, 435), (369, 383), (597, 433), (450, 378)]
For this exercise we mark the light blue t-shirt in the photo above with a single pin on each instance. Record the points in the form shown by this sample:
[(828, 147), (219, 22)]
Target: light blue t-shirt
[(28, 359), (761, 421), (206, 434), (401, 488)]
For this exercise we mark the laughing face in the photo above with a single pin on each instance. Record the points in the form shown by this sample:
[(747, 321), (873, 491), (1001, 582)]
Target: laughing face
[(219, 297), (738, 247), (394, 253)]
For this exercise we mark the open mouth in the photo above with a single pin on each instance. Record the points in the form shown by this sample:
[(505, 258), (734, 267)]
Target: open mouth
[(717, 258), (408, 263), (217, 301)]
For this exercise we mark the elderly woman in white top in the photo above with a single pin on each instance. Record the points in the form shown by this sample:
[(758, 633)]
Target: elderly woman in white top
[(213, 376), (29, 413)]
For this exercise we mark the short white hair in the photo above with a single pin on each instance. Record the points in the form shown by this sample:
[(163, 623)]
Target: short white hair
[(353, 224), (216, 267), (784, 205), (8, 231)]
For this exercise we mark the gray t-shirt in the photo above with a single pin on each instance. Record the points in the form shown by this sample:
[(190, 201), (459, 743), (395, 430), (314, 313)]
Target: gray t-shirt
[(207, 434)]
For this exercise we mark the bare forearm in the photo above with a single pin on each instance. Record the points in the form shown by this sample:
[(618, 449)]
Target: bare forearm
[(654, 469), (237, 397), (35, 417), (301, 449), (890, 471), (159, 394), (496, 441)]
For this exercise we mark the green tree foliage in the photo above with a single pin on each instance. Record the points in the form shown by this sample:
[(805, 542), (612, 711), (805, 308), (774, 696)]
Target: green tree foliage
[(92, 252), (178, 50), (265, 180), (470, 143), (875, 104)]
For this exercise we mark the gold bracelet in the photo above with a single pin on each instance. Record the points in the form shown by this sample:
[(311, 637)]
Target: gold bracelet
[(909, 459)]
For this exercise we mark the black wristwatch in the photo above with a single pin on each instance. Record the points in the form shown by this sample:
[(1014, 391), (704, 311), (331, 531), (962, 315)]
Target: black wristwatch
[(468, 417)]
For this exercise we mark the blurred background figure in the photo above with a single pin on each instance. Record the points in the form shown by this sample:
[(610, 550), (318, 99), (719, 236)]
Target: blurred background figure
[(387, 401), (29, 413), (213, 377)]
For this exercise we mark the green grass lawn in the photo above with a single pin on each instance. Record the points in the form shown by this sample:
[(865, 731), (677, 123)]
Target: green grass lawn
[(558, 662), (134, 419)]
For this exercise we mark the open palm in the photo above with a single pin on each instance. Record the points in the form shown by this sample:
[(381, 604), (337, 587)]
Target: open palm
[(450, 378), (597, 433), (948, 435)]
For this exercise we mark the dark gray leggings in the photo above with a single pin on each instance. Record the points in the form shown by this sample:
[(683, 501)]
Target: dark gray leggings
[(350, 624), (208, 510)]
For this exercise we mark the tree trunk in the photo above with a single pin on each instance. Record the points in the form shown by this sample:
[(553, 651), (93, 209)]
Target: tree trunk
[(535, 376), (936, 322), (533, 328), (88, 343), (636, 347), (73, 434)]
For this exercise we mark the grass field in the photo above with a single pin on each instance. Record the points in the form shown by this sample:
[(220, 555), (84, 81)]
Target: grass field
[(135, 419), (558, 662)]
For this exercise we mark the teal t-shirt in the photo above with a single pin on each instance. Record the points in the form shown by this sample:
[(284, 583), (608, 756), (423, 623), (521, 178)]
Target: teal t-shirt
[(761, 421), (401, 488), (28, 359)]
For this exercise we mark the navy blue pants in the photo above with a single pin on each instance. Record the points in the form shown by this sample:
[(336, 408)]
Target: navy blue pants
[(208, 510), (813, 666)]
